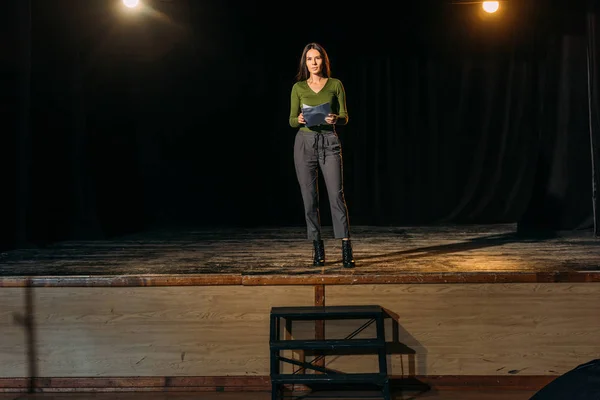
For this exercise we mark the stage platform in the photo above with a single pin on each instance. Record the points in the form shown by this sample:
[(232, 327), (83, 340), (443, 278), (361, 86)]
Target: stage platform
[(275, 256), (188, 309)]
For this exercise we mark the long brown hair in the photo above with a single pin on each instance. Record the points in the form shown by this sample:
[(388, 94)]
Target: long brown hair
[(303, 73)]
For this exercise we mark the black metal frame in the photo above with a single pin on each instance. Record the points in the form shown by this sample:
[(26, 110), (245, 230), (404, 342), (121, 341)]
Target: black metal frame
[(348, 345)]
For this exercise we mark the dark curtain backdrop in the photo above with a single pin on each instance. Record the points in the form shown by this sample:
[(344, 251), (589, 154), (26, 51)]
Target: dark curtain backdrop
[(181, 118), (494, 137), (562, 187), (442, 140)]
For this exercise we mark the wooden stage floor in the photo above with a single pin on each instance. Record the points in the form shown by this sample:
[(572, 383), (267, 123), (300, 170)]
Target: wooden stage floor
[(470, 394), (276, 256)]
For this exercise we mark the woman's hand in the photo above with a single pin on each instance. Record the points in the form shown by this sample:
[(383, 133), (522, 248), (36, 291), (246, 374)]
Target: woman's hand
[(301, 119), (331, 119)]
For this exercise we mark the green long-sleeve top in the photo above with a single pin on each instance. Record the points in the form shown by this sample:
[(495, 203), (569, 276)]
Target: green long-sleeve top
[(333, 93)]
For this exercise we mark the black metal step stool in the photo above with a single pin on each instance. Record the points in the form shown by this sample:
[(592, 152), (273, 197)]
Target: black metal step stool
[(336, 346)]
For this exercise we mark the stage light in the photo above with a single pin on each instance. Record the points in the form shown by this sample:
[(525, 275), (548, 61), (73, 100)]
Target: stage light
[(490, 6), (131, 3)]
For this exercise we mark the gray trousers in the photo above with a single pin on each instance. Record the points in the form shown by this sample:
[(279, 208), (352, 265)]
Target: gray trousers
[(314, 151)]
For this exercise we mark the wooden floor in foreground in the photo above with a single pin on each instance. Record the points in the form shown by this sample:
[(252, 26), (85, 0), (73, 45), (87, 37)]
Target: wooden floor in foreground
[(442, 395)]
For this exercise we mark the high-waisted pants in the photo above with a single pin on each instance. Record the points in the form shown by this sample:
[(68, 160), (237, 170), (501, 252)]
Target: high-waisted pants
[(314, 151)]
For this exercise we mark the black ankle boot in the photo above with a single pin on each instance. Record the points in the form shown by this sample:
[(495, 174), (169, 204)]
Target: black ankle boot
[(347, 257), (319, 253)]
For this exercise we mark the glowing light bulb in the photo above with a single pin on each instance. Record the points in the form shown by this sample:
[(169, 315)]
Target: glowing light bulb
[(131, 3), (491, 6)]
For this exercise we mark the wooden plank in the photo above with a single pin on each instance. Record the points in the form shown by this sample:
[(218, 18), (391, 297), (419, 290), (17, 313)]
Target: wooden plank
[(293, 280), (455, 382), (319, 324), (158, 382), (468, 394), (121, 281), (143, 331), (455, 329), (442, 329), (257, 383), (437, 254), (320, 295), (399, 277)]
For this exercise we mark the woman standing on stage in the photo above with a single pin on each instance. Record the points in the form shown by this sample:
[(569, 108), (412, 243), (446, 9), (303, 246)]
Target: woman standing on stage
[(318, 147)]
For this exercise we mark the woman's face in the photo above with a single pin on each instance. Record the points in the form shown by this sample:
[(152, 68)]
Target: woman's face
[(314, 61)]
